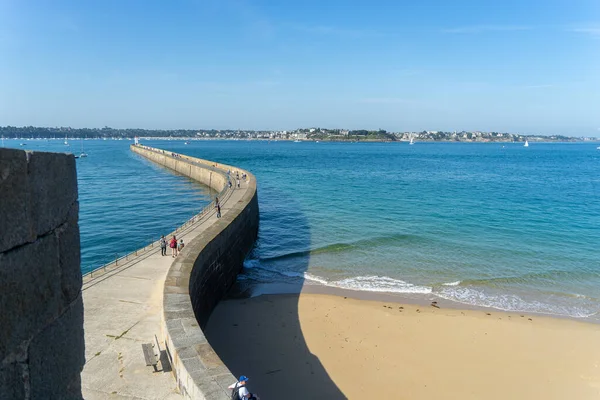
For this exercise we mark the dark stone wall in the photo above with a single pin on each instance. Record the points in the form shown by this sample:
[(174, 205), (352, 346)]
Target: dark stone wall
[(41, 309), (217, 266)]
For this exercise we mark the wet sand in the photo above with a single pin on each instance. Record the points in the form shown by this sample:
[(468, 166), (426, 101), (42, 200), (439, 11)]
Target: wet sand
[(318, 346)]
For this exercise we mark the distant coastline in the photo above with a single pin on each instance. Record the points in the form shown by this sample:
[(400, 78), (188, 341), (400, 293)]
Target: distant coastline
[(304, 134), (538, 139)]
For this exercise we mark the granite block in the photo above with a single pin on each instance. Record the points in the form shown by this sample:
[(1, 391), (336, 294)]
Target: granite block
[(30, 291), (16, 221), (53, 183), (59, 347)]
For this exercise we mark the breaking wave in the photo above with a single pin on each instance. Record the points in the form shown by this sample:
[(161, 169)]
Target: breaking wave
[(462, 292)]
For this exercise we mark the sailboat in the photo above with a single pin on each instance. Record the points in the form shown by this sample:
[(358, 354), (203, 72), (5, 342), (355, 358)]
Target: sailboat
[(411, 141), (83, 153), (66, 141), (526, 144)]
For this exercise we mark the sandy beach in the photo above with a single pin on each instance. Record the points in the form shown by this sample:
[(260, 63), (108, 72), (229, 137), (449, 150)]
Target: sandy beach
[(317, 346)]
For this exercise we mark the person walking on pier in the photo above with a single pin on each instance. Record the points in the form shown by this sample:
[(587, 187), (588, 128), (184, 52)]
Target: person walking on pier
[(238, 182), (163, 246), (218, 207), (239, 391), (173, 246)]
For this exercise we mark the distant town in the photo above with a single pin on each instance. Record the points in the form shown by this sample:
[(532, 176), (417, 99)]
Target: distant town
[(304, 134)]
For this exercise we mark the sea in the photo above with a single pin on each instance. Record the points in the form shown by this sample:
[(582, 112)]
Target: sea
[(495, 225)]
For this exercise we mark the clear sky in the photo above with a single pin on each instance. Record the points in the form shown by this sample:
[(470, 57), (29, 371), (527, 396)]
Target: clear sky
[(525, 66)]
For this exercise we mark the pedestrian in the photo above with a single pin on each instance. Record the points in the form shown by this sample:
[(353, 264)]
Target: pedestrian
[(181, 245), (238, 182), (229, 184), (216, 201), (218, 211), (163, 246), (239, 391), (173, 246)]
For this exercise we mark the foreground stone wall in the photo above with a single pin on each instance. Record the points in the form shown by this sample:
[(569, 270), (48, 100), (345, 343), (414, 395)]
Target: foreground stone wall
[(202, 275), (41, 309)]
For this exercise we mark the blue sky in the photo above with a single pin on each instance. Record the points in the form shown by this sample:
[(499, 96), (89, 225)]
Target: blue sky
[(529, 66)]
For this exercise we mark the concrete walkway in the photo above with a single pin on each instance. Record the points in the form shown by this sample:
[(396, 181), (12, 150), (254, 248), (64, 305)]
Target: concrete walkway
[(122, 310)]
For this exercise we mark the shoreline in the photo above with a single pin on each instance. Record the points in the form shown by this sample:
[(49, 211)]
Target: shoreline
[(364, 346), (324, 140), (420, 299)]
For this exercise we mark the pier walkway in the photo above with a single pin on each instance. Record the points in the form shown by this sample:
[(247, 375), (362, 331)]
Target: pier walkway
[(123, 309)]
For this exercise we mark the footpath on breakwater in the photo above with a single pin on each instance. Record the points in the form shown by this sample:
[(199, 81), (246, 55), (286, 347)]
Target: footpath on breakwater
[(145, 294)]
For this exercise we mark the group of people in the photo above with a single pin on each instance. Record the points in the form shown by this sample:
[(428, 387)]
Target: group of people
[(239, 391), (177, 246), (237, 178), (173, 244)]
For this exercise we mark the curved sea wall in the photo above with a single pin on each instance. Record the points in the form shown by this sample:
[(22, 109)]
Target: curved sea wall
[(203, 273)]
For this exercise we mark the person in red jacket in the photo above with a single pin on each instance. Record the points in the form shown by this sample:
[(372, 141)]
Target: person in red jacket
[(173, 246)]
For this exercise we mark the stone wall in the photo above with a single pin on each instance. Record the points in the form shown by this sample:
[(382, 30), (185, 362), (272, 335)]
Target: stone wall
[(41, 329), (202, 275)]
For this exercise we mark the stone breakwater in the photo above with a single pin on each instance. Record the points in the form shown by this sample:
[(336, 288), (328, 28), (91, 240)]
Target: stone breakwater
[(203, 273), (41, 329)]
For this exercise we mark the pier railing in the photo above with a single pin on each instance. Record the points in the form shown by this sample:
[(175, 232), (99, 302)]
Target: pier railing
[(205, 213)]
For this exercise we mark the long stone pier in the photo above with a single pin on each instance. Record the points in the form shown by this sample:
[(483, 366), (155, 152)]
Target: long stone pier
[(149, 298)]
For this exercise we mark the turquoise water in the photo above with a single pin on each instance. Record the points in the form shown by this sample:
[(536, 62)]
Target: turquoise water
[(495, 225), (484, 224)]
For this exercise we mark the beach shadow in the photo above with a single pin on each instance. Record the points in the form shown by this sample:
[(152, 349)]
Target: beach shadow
[(261, 337)]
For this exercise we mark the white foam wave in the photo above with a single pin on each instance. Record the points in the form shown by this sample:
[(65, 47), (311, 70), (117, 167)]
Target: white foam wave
[(451, 283), (379, 284), (370, 283), (315, 278), (510, 302), (449, 291)]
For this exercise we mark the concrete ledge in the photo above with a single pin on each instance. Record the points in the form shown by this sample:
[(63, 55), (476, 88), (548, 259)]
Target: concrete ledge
[(202, 274)]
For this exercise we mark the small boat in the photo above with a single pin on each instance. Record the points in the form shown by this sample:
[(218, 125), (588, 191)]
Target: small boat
[(598, 148), (185, 143), (526, 144), (296, 141), (83, 153), (23, 144)]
